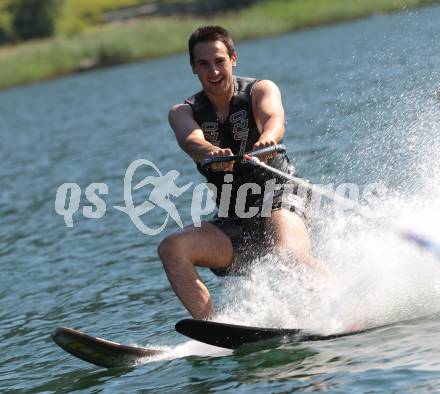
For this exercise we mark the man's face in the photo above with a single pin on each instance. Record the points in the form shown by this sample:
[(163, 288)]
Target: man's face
[(213, 66)]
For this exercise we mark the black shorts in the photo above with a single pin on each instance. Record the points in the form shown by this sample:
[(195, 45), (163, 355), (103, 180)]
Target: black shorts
[(249, 237)]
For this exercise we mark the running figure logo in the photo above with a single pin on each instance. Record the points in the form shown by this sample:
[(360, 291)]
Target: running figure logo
[(164, 187)]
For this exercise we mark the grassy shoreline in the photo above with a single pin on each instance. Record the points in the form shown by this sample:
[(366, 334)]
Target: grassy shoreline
[(155, 37)]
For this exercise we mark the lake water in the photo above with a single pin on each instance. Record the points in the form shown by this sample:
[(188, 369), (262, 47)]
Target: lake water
[(361, 109)]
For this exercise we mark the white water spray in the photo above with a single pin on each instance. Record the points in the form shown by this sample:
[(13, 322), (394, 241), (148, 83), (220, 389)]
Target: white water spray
[(379, 277)]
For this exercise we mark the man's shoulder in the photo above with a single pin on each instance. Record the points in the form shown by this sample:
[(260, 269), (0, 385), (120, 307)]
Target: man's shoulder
[(265, 86), (180, 109)]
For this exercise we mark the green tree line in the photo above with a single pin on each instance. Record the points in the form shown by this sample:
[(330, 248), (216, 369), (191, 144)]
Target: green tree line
[(22, 20), (26, 19)]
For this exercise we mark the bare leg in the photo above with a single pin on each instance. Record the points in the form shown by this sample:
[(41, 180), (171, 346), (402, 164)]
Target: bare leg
[(290, 234), (180, 252)]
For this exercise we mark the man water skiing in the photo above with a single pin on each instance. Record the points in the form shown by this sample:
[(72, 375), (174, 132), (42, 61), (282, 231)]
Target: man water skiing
[(230, 115)]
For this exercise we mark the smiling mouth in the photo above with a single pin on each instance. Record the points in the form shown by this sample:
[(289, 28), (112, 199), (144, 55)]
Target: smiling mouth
[(216, 81)]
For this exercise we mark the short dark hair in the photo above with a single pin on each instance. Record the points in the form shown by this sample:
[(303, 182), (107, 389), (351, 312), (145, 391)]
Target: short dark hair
[(210, 33)]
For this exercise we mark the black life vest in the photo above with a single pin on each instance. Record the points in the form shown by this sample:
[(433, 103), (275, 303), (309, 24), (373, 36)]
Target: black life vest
[(239, 132)]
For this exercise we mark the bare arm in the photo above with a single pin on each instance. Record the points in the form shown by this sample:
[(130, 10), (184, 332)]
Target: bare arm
[(268, 112), (191, 139)]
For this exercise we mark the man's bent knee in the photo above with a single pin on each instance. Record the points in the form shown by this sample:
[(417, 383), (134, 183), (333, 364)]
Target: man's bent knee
[(169, 247)]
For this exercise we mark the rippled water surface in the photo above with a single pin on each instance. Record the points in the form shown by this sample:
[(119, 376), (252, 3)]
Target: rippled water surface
[(361, 108)]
